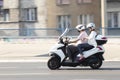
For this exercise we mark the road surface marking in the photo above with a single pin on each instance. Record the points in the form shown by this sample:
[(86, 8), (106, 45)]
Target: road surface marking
[(34, 60), (23, 74), (88, 79), (21, 60), (7, 67)]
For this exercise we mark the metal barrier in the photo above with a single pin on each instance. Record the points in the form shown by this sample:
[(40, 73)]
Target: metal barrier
[(35, 32), (29, 32), (111, 32), (50, 32)]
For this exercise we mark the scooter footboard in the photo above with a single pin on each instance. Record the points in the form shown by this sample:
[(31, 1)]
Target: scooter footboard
[(58, 53)]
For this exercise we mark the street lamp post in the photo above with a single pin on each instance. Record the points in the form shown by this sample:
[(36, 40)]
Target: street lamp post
[(103, 15)]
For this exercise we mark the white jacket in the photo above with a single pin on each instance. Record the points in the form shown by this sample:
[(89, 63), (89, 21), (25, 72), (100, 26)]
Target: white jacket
[(91, 39)]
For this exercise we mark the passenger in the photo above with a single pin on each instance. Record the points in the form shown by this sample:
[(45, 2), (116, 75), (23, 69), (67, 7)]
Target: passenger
[(90, 38)]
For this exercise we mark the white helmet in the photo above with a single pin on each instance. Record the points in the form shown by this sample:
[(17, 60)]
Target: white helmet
[(80, 27), (91, 25)]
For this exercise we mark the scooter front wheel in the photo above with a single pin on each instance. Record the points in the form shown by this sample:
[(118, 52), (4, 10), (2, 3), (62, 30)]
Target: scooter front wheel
[(54, 63)]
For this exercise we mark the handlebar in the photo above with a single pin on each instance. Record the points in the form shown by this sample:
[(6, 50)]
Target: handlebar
[(64, 40)]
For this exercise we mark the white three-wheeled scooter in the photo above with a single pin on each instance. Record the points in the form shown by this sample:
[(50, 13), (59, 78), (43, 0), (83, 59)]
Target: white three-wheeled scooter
[(59, 54)]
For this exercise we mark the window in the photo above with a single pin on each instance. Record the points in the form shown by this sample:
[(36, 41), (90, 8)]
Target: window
[(59, 2), (64, 21), (4, 15), (79, 1), (84, 1), (1, 2), (85, 19), (30, 14), (87, 1), (113, 19)]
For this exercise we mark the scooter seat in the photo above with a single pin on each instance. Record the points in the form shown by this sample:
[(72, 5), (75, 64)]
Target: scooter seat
[(88, 48)]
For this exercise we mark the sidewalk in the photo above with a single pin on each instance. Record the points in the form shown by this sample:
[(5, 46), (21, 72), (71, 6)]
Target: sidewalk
[(37, 49), (112, 49), (25, 49)]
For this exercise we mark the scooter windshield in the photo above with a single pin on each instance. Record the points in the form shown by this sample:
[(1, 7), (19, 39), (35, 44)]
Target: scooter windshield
[(65, 32)]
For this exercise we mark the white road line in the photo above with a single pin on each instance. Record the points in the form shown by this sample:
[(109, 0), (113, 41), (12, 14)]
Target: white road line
[(23, 60), (42, 60), (88, 79), (8, 67), (23, 74), (111, 60)]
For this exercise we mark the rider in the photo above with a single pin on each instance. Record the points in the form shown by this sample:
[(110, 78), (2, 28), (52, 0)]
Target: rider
[(80, 39), (90, 38)]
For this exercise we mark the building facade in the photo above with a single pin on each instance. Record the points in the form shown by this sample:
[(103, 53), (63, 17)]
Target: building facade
[(113, 17), (22, 17), (63, 13), (110, 17), (25, 16)]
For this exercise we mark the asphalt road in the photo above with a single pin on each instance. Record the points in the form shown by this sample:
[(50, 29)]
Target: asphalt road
[(39, 71)]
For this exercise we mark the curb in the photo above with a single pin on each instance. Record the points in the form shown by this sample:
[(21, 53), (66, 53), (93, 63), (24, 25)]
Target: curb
[(20, 60), (45, 59)]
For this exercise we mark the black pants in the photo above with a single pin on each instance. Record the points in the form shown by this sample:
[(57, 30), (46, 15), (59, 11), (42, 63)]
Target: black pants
[(84, 46), (72, 51)]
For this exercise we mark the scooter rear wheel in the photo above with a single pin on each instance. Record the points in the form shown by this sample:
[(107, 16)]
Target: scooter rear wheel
[(96, 65), (54, 63)]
